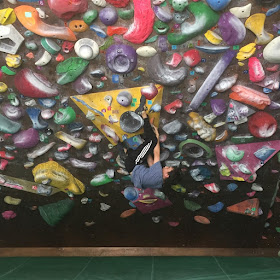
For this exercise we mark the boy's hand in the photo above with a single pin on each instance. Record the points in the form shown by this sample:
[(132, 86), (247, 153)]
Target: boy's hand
[(144, 114), (155, 130)]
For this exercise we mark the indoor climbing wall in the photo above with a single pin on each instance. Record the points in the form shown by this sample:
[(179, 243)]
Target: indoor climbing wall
[(75, 74)]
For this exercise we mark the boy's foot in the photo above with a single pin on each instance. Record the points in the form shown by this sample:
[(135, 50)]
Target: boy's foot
[(141, 106)]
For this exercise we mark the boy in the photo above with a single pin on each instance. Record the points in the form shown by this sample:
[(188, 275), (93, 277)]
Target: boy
[(146, 171)]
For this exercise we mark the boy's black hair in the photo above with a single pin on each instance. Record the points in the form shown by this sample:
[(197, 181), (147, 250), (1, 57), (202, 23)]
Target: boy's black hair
[(175, 176)]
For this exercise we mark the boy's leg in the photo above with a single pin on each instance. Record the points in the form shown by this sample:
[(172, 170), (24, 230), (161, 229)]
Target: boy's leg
[(140, 155)]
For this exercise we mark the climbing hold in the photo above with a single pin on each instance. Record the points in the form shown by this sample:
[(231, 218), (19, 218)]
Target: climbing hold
[(11, 200), (213, 37), (13, 60), (26, 139), (57, 176), (248, 207), (53, 213), (242, 12), (73, 141), (246, 52), (233, 154), (29, 18), (8, 215), (100, 179), (12, 112), (66, 9), (213, 187), (13, 39), (108, 16), (255, 23), (256, 72), (179, 5), (202, 220), (270, 52), (161, 27), (99, 3), (250, 96), (146, 51), (211, 80), (226, 83), (40, 151), (44, 59), (90, 16), (121, 58), (218, 5), (31, 84), (192, 57), (205, 18), (218, 106), (142, 26), (34, 114), (163, 13), (191, 205), (70, 69), (262, 125), (215, 208), (173, 106), (162, 74), (205, 131), (232, 29)]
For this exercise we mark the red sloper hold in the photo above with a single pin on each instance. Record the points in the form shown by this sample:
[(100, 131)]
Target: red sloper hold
[(34, 85), (143, 23), (192, 57), (262, 125), (66, 9), (118, 3)]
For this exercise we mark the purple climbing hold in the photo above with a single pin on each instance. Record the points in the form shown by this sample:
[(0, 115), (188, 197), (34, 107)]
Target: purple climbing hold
[(26, 139), (218, 106)]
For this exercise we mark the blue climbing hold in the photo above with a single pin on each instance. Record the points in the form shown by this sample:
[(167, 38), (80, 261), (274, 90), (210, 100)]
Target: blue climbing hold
[(215, 208), (232, 187), (218, 5)]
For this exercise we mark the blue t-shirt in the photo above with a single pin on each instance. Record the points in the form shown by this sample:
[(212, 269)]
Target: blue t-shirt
[(147, 177)]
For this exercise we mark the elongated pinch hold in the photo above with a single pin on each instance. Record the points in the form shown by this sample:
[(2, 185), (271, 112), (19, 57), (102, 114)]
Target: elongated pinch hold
[(143, 23)]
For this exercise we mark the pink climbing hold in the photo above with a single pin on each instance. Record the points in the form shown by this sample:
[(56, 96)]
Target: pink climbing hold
[(3, 164), (8, 215), (143, 23), (173, 106), (175, 60), (256, 72), (118, 3), (66, 9), (149, 92), (273, 68), (192, 57)]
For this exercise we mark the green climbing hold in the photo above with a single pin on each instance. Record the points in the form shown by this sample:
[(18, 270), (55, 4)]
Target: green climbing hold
[(178, 188), (126, 14), (31, 45), (161, 27), (278, 229), (241, 139), (109, 42), (233, 154), (65, 116), (8, 126), (90, 16), (191, 205), (151, 39), (44, 138), (205, 18), (71, 69), (278, 157), (53, 213), (7, 71), (100, 179)]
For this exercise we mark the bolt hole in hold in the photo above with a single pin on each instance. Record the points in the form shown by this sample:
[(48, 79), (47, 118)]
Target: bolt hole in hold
[(76, 26)]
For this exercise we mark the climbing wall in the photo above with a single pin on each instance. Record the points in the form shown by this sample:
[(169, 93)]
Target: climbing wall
[(73, 77)]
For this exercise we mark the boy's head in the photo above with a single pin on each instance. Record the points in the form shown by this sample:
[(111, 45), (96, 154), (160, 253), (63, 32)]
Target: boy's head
[(166, 170), (171, 175)]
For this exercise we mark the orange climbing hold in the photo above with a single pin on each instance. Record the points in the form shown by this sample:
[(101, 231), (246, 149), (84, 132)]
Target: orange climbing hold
[(116, 30)]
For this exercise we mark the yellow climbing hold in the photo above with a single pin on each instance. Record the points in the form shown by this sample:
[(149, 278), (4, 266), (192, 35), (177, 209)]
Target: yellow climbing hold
[(241, 63), (213, 37), (12, 200), (238, 179), (255, 23), (7, 16), (141, 69), (246, 52), (3, 87), (13, 60)]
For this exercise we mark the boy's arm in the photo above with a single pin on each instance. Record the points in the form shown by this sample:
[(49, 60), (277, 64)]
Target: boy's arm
[(150, 160), (157, 147)]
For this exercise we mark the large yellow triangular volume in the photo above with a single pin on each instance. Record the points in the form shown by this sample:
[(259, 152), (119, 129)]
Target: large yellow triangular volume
[(96, 104)]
